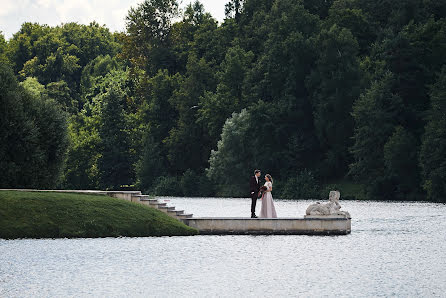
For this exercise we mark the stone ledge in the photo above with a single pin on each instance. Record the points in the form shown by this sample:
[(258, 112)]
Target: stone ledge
[(270, 226), (284, 232), (311, 217), (331, 216)]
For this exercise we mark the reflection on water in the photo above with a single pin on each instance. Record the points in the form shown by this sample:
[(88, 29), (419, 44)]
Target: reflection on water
[(394, 249)]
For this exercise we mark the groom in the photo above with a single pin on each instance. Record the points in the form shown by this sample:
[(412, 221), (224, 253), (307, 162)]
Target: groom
[(254, 187)]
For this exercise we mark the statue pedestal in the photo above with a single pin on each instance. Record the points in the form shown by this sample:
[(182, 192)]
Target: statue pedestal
[(326, 216)]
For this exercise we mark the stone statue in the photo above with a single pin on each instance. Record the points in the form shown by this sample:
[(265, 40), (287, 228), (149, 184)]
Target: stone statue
[(331, 208)]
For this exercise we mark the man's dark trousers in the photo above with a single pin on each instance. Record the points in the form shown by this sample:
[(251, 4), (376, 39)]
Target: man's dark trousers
[(254, 187)]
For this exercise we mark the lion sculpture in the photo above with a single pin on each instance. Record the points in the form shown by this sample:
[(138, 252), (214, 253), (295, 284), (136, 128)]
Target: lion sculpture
[(331, 208)]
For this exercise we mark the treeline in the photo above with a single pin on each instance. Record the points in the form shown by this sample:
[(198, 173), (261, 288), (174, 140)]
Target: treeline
[(312, 91)]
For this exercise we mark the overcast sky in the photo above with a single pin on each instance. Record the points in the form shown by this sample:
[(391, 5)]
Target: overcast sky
[(54, 12)]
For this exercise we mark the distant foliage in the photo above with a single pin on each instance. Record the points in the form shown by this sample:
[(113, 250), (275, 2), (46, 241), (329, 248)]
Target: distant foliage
[(316, 92), (230, 164), (433, 148), (114, 163), (166, 186), (376, 115), (336, 84), (400, 158), (301, 186), (33, 135)]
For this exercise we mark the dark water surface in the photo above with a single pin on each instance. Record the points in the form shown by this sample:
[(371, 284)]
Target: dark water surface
[(395, 249)]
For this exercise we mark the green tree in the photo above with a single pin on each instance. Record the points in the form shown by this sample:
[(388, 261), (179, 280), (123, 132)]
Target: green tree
[(278, 79), (187, 135), (157, 111), (115, 163), (54, 54), (318, 7), (152, 164), (254, 25), (348, 14), (253, 139), (146, 44), (433, 149), (183, 34), (231, 164), (216, 107), (33, 136), (33, 86), (400, 160), (335, 85), (61, 93), (86, 42), (85, 150), (414, 67), (376, 114), (95, 70), (394, 15), (156, 115), (233, 9), (3, 49), (81, 170), (20, 47)]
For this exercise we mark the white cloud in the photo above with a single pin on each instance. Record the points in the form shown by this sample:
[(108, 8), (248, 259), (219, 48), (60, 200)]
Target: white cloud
[(8, 8), (112, 13)]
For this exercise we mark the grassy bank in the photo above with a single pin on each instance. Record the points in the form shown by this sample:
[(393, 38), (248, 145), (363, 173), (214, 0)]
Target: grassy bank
[(59, 215)]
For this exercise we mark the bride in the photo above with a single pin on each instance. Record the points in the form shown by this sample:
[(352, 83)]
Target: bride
[(268, 210)]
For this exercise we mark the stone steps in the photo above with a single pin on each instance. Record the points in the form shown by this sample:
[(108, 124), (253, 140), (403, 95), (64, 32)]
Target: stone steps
[(176, 212), (185, 216), (139, 198), (155, 203)]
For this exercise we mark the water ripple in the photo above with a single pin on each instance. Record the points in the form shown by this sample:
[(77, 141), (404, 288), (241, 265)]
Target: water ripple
[(395, 249)]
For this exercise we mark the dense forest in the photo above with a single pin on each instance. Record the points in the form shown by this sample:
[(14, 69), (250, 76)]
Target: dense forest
[(318, 93)]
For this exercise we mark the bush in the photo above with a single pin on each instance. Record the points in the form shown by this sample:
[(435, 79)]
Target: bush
[(189, 184), (195, 185), (302, 186), (167, 186), (205, 186)]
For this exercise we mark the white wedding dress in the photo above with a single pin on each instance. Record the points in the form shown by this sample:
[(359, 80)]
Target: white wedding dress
[(268, 210)]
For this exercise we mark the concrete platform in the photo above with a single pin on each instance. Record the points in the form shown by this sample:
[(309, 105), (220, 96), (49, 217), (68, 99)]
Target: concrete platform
[(271, 226)]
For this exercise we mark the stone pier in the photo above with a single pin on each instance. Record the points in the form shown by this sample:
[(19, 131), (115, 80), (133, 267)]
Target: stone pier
[(321, 225)]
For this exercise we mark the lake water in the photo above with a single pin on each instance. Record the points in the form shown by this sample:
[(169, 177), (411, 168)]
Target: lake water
[(395, 249)]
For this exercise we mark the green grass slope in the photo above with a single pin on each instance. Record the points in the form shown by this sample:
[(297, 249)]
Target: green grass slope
[(59, 215)]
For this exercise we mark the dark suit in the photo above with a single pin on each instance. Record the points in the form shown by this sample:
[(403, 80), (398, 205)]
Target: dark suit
[(254, 188)]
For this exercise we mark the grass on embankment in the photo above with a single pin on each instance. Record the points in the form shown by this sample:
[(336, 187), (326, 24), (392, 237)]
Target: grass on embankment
[(59, 215)]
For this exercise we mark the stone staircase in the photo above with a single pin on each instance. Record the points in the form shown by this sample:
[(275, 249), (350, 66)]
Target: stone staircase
[(157, 204)]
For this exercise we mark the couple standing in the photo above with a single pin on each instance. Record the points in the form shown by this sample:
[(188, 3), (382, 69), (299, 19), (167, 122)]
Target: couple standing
[(263, 192)]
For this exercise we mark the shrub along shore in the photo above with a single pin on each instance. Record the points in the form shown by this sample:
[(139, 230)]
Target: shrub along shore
[(69, 215)]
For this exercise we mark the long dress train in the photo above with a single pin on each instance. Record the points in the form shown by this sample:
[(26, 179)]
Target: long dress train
[(268, 210)]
